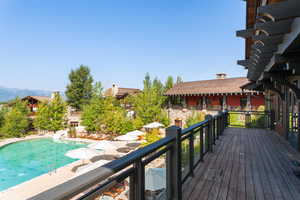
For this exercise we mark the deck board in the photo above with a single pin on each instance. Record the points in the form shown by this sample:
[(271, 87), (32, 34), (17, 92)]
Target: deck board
[(247, 164)]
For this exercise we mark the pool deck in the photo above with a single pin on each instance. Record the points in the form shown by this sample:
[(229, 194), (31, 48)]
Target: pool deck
[(29, 137), (46, 181), (39, 184)]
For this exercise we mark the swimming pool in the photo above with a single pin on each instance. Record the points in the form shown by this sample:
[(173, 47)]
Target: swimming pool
[(22, 161)]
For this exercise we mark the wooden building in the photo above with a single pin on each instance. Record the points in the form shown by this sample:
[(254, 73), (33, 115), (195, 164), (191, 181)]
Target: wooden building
[(34, 101), (211, 96), (120, 93), (215, 95), (272, 58)]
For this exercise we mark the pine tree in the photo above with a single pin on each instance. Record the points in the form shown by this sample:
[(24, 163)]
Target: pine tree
[(79, 91), (98, 90), (179, 79), (147, 82), (169, 83), (158, 86)]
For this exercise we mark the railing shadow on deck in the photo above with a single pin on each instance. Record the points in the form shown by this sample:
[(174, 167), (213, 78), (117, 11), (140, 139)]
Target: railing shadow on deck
[(183, 151)]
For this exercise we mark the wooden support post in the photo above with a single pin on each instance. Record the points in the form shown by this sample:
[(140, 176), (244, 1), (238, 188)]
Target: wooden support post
[(132, 188), (298, 125), (139, 180), (209, 133), (173, 165), (201, 145), (191, 154), (214, 130)]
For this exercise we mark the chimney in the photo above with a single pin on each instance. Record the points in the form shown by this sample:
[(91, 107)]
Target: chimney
[(54, 94), (221, 76), (114, 90)]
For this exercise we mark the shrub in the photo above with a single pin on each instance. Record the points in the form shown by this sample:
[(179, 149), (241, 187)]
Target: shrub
[(194, 118), (16, 121), (151, 137)]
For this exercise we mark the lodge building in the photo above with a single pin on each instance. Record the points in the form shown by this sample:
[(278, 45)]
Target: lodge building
[(212, 96)]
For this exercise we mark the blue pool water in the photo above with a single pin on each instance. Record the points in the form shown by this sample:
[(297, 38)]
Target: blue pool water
[(22, 161)]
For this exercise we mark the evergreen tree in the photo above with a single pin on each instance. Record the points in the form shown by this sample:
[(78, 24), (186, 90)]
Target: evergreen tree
[(158, 86), (169, 83), (147, 82), (179, 80), (148, 104), (79, 91), (98, 90), (16, 121)]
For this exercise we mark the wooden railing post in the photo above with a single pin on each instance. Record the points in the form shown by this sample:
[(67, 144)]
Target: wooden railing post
[(173, 165), (139, 180), (209, 132), (201, 145), (191, 154)]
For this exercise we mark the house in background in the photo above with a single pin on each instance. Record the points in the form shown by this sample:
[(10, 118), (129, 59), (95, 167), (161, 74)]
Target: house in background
[(73, 117), (211, 96), (120, 93), (34, 101)]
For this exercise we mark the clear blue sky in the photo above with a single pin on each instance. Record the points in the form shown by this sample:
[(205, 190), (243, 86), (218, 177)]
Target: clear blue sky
[(120, 40)]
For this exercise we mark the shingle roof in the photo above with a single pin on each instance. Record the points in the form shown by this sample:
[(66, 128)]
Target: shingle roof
[(126, 91), (215, 86), (43, 99), (122, 91)]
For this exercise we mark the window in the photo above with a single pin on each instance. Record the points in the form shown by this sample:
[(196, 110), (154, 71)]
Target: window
[(243, 102)]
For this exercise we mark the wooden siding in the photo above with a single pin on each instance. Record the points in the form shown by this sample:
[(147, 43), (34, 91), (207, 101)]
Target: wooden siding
[(246, 164)]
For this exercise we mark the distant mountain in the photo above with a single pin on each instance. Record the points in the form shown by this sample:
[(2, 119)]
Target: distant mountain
[(11, 93)]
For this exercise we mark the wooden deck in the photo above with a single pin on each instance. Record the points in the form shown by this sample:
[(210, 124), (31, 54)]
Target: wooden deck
[(246, 164)]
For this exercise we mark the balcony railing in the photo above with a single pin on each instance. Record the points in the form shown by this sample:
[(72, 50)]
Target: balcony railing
[(251, 119), (182, 150)]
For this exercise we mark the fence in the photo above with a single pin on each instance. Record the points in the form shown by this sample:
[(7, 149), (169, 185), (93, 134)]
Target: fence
[(182, 150)]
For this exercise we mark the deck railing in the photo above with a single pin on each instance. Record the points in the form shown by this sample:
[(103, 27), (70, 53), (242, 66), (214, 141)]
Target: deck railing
[(182, 150), (251, 119)]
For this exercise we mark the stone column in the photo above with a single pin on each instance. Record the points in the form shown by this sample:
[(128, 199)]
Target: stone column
[(248, 101), (204, 102), (224, 102), (184, 101)]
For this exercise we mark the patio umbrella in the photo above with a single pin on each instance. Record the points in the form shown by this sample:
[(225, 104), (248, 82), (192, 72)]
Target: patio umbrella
[(135, 133), (83, 153), (127, 138), (153, 125), (155, 179), (103, 145)]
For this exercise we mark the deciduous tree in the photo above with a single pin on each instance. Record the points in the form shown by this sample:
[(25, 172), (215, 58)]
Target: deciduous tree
[(16, 121)]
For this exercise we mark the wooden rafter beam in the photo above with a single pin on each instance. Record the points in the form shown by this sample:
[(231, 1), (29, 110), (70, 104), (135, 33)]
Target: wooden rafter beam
[(281, 10)]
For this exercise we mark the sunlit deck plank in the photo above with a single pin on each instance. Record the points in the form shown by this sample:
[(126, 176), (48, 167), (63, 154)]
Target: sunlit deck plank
[(246, 164)]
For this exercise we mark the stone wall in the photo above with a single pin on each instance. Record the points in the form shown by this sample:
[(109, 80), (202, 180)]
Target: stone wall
[(184, 113)]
